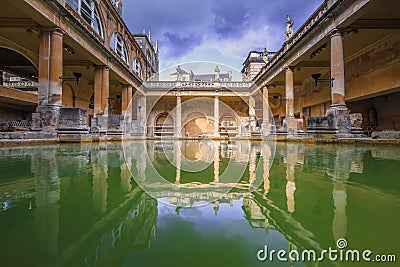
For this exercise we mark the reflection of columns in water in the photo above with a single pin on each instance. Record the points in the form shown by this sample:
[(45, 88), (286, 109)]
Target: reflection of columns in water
[(340, 174), (266, 154), (216, 164), (141, 162), (291, 158), (216, 207), (178, 161), (44, 166), (126, 176), (339, 223), (100, 176), (252, 165)]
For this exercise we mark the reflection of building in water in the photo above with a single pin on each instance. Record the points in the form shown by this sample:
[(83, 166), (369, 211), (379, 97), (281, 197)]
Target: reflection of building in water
[(132, 230), (100, 176), (266, 155), (291, 160), (48, 194)]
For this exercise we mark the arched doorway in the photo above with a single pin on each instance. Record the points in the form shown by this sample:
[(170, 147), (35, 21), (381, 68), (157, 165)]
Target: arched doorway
[(17, 72), (15, 67), (163, 125)]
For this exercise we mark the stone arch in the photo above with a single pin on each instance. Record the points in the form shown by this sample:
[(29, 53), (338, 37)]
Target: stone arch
[(163, 119), (163, 124), (198, 124), (13, 57)]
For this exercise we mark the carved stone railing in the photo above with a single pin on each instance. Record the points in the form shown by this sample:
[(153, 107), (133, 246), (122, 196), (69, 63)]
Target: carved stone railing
[(22, 85), (202, 86), (12, 126)]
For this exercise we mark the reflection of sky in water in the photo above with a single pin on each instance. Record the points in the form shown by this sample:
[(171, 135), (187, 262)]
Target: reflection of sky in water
[(202, 238)]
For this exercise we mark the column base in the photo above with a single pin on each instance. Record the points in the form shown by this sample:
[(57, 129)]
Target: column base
[(341, 118), (99, 125), (291, 124), (49, 118), (266, 128)]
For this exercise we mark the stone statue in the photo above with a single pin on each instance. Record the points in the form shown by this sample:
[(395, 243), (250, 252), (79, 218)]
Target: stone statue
[(118, 5), (289, 28)]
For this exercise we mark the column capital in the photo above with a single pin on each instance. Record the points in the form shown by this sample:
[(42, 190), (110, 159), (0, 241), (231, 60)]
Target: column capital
[(52, 30), (98, 67), (289, 68), (335, 32)]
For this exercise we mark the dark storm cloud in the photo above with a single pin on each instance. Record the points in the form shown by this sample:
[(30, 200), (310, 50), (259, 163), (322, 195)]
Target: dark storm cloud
[(231, 27), (178, 45), (230, 20)]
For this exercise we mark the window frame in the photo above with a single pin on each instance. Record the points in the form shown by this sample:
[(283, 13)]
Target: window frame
[(89, 12)]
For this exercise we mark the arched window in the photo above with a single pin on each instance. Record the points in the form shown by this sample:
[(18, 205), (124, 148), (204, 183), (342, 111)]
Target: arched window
[(137, 67), (118, 45), (88, 10)]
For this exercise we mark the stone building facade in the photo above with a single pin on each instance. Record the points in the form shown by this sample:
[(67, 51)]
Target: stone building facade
[(84, 75), (77, 54), (338, 73)]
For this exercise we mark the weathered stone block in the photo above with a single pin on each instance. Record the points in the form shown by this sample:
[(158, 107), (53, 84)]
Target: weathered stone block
[(36, 122), (72, 120), (385, 135), (49, 118)]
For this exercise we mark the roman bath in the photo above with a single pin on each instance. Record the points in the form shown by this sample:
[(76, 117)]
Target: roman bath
[(109, 159)]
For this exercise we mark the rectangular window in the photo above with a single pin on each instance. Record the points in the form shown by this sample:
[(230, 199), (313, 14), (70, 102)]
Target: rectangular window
[(87, 8)]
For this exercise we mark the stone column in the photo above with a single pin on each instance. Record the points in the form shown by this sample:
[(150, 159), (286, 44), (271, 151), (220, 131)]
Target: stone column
[(252, 113), (127, 108), (178, 119), (50, 71), (126, 101), (266, 125), (141, 114), (216, 116), (337, 69), (101, 90), (289, 85), (338, 108)]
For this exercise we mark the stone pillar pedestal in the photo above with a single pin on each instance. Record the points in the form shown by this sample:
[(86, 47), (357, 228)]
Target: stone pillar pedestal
[(341, 119)]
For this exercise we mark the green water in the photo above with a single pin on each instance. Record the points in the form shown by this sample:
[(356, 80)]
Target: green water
[(196, 203)]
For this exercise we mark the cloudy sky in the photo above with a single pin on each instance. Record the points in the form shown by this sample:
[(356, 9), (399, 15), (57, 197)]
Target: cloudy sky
[(221, 31)]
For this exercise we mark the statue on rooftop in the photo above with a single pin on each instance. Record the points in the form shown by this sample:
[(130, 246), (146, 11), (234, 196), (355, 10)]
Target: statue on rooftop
[(289, 28)]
